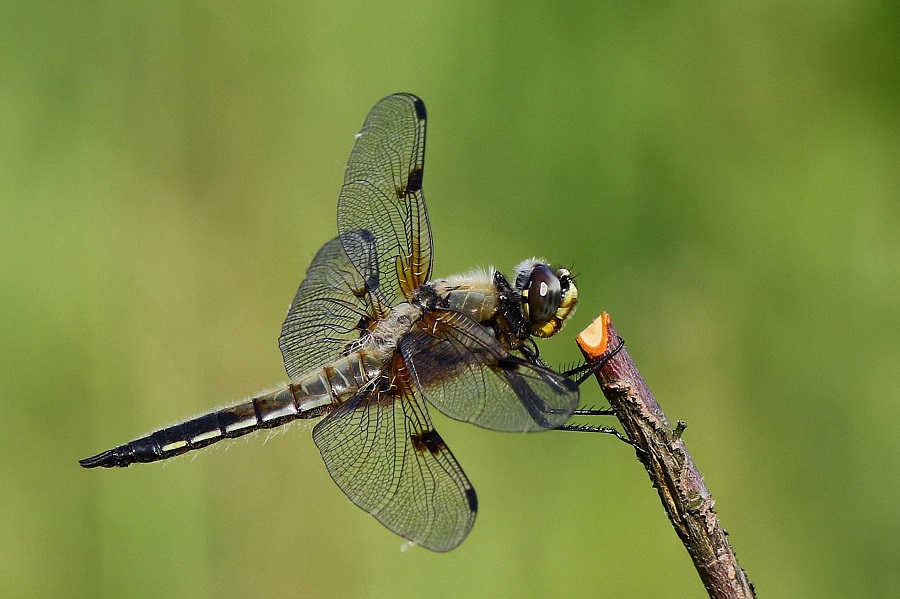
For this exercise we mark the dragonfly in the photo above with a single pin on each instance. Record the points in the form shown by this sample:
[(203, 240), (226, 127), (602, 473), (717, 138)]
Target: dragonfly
[(370, 340)]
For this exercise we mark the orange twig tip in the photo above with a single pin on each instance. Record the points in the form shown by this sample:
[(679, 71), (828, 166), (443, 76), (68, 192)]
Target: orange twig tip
[(594, 339)]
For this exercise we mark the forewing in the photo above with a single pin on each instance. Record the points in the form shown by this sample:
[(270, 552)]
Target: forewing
[(465, 373), (331, 308), (383, 452), (382, 193)]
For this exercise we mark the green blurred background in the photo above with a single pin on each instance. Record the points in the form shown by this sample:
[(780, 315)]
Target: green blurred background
[(724, 180)]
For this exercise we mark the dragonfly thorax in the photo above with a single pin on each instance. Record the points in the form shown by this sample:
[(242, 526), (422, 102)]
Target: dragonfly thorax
[(538, 304), (383, 339)]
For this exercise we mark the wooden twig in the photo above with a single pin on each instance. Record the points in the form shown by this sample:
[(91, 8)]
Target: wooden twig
[(662, 451)]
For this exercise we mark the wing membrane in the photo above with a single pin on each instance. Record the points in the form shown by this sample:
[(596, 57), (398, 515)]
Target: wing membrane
[(331, 308), (383, 452), (382, 194), (464, 372)]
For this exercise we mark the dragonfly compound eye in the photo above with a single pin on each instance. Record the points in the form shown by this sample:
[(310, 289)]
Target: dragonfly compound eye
[(548, 296), (542, 295)]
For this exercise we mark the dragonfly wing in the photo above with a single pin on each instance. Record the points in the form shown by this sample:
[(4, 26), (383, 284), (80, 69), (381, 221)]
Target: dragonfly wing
[(332, 308), (464, 372), (383, 452), (382, 194)]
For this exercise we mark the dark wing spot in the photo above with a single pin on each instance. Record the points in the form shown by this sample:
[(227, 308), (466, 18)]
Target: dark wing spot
[(419, 105), (417, 443), (414, 183), (363, 325), (472, 499), (507, 364), (429, 441)]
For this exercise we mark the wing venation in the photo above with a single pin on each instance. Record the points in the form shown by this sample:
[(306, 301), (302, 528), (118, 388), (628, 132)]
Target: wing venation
[(465, 373), (381, 449), (382, 194)]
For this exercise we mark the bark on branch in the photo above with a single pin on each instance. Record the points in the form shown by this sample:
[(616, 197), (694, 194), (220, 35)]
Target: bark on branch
[(663, 453)]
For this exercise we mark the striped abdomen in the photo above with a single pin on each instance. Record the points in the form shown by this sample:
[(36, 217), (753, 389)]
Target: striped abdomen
[(311, 396)]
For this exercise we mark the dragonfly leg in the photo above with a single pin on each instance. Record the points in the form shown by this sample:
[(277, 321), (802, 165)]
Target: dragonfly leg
[(532, 354), (606, 430), (584, 372), (594, 412)]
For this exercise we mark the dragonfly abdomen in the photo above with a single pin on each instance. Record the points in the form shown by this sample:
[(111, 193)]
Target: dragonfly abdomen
[(311, 396)]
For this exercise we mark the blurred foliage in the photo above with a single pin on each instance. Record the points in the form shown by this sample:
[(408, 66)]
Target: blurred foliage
[(724, 179)]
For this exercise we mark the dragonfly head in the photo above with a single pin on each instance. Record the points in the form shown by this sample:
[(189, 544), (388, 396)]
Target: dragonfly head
[(548, 296)]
